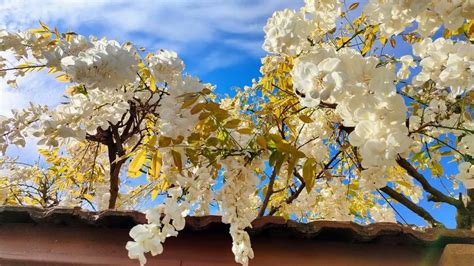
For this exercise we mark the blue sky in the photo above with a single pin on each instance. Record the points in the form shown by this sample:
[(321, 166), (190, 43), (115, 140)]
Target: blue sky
[(219, 41)]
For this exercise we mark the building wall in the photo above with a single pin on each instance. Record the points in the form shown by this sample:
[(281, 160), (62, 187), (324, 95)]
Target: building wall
[(30, 244)]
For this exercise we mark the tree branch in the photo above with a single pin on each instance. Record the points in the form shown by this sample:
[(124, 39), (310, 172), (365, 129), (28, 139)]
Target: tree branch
[(269, 192), (114, 149), (436, 195), (411, 206)]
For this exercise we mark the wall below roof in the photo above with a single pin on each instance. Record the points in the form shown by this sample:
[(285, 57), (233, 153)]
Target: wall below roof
[(36, 244), (62, 236)]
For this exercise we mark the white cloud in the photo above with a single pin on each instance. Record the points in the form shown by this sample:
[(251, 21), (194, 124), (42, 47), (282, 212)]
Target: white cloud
[(10, 100), (212, 34), (184, 24), (36, 87)]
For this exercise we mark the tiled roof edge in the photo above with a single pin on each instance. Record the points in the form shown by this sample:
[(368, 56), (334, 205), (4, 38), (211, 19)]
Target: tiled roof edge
[(273, 226)]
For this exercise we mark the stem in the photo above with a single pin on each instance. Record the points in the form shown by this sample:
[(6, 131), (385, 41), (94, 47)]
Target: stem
[(18, 68)]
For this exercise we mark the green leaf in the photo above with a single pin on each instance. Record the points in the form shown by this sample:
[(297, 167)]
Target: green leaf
[(274, 157)]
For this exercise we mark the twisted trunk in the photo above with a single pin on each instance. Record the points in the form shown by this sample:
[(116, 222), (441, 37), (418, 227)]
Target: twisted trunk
[(466, 219), (116, 153)]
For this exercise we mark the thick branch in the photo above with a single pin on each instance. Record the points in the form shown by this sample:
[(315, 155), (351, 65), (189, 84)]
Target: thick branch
[(436, 195), (269, 193), (463, 217), (411, 206), (115, 151)]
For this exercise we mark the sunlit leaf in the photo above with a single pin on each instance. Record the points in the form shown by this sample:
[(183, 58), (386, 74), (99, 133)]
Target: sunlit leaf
[(136, 164)]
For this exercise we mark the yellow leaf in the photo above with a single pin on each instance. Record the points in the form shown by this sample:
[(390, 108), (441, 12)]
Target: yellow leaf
[(63, 78), (197, 108), (152, 83), (291, 165), (276, 138), (306, 119), (40, 30), (206, 91), (232, 123), (178, 140), (177, 159), (164, 141), (211, 106), (69, 35), (468, 29), (204, 115), (190, 101), (51, 70), (288, 148), (341, 41), (261, 142), (12, 83), (165, 185), (43, 25), (404, 183), (245, 131), (154, 193), (393, 42), (151, 141), (136, 164), (436, 168), (88, 197), (369, 41), (353, 6), (309, 173), (156, 163)]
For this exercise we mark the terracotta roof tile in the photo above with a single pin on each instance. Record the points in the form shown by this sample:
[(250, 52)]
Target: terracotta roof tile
[(272, 226)]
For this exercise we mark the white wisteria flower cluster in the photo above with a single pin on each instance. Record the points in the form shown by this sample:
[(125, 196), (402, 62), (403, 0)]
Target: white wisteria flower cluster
[(447, 63), (289, 32), (189, 194), (366, 99), (395, 16), (364, 88)]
